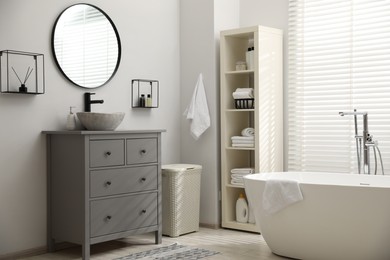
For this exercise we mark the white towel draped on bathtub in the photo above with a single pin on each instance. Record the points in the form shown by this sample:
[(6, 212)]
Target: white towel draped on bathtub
[(279, 194), (198, 111)]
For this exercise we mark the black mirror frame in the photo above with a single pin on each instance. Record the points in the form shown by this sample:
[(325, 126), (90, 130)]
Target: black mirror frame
[(117, 37)]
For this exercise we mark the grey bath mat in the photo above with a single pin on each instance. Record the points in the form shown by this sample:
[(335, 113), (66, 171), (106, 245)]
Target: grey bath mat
[(171, 252)]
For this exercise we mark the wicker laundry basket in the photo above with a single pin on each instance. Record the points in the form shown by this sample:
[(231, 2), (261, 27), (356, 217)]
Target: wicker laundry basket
[(180, 198)]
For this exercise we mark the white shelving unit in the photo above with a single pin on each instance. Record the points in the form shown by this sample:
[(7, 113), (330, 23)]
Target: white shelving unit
[(266, 118)]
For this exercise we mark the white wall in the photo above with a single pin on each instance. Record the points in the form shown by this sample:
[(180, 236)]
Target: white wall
[(149, 31), (273, 14), (201, 21)]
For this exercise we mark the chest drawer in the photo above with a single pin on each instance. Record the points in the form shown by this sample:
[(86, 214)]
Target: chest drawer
[(121, 214), (143, 150), (107, 153), (119, 181)]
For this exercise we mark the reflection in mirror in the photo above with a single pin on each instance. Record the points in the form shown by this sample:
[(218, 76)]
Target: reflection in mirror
[(86, 45)]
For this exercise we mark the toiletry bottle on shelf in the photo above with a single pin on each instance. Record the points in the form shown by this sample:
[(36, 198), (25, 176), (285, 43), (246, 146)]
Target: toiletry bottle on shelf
[(248, 59), (71, 120), (142, 101), (249, 55), (252, 58), (242, 211), (148, 102)]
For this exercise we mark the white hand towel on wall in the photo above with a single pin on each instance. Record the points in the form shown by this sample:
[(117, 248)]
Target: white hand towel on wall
[(198, 111)]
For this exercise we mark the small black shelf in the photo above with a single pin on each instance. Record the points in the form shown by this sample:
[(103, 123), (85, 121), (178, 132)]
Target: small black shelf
[(23, 93), (22, 72), (145, 93)]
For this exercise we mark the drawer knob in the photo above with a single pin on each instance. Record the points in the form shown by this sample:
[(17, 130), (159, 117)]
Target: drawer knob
[(108, 183), (143, 179), (143, 211), (143, 151), (108, 153), (108, 218)]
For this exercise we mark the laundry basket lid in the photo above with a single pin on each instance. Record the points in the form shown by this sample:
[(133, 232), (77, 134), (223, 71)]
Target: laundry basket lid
[(180, 167)]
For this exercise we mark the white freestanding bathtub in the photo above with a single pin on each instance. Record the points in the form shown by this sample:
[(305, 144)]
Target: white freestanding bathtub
[(341, 216)]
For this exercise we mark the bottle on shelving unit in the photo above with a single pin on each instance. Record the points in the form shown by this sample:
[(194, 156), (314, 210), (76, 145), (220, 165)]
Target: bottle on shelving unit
[(252, 57), (248, 59), (249, 55), (242, 211)]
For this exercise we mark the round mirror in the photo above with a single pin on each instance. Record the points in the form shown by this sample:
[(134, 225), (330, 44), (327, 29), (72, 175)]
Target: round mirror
[(86, 45)]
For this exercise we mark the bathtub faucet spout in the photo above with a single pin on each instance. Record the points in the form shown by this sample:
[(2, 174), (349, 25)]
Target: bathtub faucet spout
[(365, 137)]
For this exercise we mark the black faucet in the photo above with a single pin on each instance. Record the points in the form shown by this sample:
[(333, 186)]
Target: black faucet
[(88, 101)]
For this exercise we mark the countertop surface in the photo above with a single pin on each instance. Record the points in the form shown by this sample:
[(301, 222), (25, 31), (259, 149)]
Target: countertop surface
[(87, 132)]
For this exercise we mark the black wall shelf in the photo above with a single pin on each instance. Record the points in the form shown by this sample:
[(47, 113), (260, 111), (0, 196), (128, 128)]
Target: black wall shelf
[(145, 93), (22, 72)]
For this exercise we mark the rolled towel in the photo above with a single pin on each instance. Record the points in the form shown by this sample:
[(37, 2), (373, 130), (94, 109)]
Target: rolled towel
[(279, 194), (249, 131)]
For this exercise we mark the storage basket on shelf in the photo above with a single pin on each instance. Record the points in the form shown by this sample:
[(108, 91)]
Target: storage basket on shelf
[(244, 103), (180, 198)]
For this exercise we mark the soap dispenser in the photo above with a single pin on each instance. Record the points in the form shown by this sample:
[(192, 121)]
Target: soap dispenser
[(71, 120)]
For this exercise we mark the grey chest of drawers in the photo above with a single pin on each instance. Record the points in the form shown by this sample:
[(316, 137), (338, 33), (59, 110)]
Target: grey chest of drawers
[(103, 185)]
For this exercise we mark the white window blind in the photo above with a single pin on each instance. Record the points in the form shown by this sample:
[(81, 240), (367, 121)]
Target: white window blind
[(339, 60)]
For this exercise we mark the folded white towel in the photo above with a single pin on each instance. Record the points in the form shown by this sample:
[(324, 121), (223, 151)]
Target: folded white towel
[(242, 170), (243, 141), (279, 194), (246, 90), (248, 132), (198, 111), (243, 93), (237, 183), (243, 138), (244, 145), (237, 176)]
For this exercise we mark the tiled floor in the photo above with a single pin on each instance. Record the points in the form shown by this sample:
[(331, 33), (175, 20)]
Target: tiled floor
[(231, 245)]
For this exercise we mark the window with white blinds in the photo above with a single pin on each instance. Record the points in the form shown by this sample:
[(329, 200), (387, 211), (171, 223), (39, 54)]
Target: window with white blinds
[(339, 60)]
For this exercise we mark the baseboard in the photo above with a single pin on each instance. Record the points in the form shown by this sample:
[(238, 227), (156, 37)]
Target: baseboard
[(62, 245), (25, 253), (212, 226), (34, 251)]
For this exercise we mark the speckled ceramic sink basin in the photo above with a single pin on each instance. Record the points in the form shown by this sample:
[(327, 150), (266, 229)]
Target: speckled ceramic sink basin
[(100, 121)]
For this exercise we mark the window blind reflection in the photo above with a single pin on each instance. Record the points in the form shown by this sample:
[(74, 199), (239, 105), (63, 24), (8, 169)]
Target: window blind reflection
[(86, 46)]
